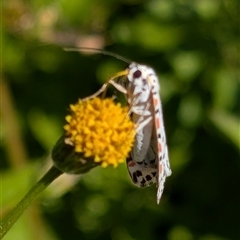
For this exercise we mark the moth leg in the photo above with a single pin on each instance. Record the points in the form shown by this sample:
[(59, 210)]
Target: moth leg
[(101, 90), (111, 81), (116, 85), (141, 124)]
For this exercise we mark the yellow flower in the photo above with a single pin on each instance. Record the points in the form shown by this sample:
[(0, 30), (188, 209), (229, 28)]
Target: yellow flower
[(100, 129)]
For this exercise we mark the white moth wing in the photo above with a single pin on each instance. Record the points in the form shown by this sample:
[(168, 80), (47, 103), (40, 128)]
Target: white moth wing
[(163, 166)]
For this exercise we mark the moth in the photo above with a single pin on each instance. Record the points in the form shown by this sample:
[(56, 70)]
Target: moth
[(148, 162)]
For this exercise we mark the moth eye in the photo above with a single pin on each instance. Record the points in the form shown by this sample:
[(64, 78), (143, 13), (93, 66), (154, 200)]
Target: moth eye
[(137, 74)]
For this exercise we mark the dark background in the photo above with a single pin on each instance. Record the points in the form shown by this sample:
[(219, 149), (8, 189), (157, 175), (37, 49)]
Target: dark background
[(194, 48)]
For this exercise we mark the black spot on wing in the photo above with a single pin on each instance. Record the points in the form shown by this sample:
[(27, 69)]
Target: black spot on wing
[(152, 161), (134, 177), (143, 182), (154, 174), (148, 177)]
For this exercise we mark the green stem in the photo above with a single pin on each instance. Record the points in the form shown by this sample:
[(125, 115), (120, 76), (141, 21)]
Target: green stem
[(27, 200)]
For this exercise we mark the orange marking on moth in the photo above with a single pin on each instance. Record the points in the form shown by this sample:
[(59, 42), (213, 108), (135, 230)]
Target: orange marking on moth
[(159, 147), (160, 168), (155, 102), (157, 123)]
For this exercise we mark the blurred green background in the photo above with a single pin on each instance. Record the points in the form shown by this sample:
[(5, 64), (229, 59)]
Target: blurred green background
[(194, 47)]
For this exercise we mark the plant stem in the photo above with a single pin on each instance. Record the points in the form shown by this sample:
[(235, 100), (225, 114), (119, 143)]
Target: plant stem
[(27, 200)]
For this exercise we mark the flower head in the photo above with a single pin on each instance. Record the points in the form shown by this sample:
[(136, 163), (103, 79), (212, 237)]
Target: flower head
[(100, 129)]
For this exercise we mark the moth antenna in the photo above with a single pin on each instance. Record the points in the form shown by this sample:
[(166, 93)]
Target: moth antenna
[(96, 50)]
